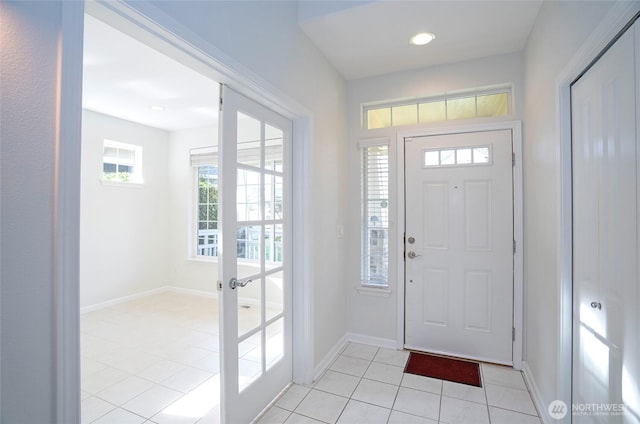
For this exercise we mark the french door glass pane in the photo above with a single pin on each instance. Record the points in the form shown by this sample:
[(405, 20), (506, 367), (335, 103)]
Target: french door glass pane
[(272, 197), (275, 342), (274, 295), (273, 148), (248, 249), (249, 307), (273, 246), (248, 196), (249, 360), (249, 140)]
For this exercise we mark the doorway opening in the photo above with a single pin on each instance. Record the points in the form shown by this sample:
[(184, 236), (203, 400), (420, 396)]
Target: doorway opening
[(149, 313), (150, 238)]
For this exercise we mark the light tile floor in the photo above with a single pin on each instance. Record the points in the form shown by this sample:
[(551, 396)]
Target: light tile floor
[(366, 384), (155, 360), (152, 360)]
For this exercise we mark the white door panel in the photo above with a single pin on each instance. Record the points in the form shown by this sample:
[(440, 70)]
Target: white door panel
[(606, 366), (255, 316), (459, 211)]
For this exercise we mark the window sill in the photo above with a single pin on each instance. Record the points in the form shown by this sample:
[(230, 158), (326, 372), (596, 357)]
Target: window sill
[(121, 184), (203, 259), (374, 291)]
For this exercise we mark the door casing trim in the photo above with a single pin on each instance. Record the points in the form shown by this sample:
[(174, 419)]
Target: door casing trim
[(518, 224)]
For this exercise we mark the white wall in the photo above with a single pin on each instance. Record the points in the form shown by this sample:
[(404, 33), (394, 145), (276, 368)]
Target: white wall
[(376, 316), (124, 237), (186, 272), (559, 31), (29, 34), (265, 38)]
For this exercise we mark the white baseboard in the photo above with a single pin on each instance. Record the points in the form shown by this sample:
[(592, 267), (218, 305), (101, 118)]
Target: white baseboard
[(146, 293), (329, 357), (538, 400), (122, 299), (370, 340), (176, 289), (342, 343)]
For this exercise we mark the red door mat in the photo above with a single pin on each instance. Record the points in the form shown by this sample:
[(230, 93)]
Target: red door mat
[(455, 370)]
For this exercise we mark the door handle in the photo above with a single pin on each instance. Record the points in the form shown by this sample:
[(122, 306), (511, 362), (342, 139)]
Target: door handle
[(234, 282), (412, 255)]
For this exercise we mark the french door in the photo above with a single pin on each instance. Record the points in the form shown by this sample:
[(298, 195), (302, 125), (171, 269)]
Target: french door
[(255, 272)]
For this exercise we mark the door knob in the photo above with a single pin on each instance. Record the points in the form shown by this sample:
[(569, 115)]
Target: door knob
[(412, 255), (234, 282), (596, 305)]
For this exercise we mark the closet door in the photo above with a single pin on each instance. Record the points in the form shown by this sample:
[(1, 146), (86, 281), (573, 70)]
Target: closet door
[(605, 238)]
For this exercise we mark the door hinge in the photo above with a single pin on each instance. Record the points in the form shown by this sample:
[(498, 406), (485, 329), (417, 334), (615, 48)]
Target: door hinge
[(220, 106), (514, 246), (219, 285), (513, 159), (513, 334)]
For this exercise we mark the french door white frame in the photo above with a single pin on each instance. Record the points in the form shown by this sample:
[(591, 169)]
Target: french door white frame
[(618, 17), (155, 28), (518, 266)]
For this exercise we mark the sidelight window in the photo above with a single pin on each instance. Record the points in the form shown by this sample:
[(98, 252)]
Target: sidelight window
[(375, 216)]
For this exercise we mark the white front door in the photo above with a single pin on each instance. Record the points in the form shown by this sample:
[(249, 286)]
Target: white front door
[(459, 245), (606, 334), (255, 306)]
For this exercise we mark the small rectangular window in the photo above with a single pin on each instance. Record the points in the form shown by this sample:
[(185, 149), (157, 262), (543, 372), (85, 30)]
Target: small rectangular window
[(455, 157), (121, 162), (375, 216)]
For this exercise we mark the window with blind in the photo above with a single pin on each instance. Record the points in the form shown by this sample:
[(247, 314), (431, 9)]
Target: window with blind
[(205, 163), (375, 216)]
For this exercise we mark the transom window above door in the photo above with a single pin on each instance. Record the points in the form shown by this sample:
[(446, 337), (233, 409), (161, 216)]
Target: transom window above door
[(475, 104)]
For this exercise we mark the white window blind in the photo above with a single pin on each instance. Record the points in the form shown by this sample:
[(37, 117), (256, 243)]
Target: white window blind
[(204, 156), (375, 215)]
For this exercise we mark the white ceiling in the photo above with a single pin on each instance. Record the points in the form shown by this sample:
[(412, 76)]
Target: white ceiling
[(364, 39), (124, 78)]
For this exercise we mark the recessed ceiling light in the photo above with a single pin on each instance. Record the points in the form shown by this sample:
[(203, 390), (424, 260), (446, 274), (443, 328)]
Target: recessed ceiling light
[(422, 38), (157, 108)]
